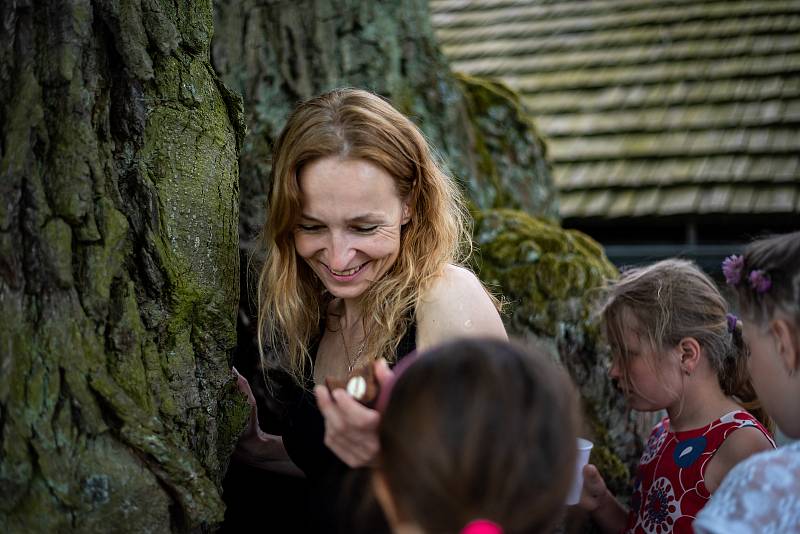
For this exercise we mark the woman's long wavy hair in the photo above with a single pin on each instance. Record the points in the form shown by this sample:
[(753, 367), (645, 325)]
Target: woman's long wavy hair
[(671, 300), (354, 124)]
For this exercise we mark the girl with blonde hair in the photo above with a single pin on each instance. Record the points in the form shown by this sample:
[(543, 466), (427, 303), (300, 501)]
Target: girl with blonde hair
[(676, 348)]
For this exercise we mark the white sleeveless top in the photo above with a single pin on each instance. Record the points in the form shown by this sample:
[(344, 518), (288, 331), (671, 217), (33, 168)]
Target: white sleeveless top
[(760, 495)]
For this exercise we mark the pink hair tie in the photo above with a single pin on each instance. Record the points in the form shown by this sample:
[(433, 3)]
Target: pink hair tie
[(386, 389), (482, 526)]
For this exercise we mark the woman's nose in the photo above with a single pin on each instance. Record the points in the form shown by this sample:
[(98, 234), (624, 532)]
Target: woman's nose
[(341, 252)]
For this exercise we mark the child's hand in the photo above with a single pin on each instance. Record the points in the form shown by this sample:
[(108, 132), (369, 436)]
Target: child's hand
[(594, 489)]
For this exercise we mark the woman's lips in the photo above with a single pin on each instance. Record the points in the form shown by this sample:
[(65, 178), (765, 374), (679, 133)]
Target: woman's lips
[(346, 275)]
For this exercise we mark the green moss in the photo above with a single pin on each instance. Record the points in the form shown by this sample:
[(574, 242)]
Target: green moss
[(234, 413), (112, 480), (70, 189), (175, 466), (510, 154), (35, 513), (551, 276), (103, 261), (548, 273), (615, 473), (57, 249), (125, 336)]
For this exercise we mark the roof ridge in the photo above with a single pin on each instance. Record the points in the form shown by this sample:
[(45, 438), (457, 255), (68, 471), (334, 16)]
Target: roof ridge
[(629, 56), (658, 119), (553, 9), (516, 25), (755, 26), (668, 144), (746, 90), (624, 77), (716, 169)]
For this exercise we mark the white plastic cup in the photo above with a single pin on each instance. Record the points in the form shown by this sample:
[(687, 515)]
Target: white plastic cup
[(584, 448)]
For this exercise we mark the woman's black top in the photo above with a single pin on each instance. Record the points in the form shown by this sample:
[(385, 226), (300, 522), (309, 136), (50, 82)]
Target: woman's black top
[(340, 499)]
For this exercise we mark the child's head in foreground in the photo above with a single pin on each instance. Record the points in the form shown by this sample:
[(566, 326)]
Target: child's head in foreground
[(477, 429), (766, 280)]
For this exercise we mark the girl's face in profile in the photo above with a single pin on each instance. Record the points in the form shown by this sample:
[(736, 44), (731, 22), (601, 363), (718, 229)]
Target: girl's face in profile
[(654, 379), (349, 229), (770, 374)]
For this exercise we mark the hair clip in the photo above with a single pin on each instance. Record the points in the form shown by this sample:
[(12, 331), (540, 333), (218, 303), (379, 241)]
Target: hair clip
[(760, 281), (732, 320), (386, 389), (482, 526), (732, 269)]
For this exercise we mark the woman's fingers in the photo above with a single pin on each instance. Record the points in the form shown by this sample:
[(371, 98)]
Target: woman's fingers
[(253, 429), (244, 386), (350, 428), (353, 412), (327, 406), (382, 372)]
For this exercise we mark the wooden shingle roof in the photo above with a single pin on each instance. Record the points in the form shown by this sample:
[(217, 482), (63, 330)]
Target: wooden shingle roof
[(648, 107)]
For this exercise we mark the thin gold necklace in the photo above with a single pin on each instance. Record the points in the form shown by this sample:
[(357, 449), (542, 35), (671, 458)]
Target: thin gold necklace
[(351, 362)]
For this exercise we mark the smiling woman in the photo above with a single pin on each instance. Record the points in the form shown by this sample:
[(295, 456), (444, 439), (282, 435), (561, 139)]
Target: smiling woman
[(363, 240), (349, 230)]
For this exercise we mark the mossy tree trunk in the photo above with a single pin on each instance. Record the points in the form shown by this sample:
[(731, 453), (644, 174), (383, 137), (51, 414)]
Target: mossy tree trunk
[(118, 267)]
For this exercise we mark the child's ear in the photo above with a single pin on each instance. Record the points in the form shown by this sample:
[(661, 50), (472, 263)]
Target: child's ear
[(689, 354), (787, 343)]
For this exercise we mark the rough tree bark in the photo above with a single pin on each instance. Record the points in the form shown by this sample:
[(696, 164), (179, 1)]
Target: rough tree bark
[(118, 267)]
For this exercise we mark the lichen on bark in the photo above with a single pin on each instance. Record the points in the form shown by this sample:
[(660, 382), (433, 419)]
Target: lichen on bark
[(119, 268)]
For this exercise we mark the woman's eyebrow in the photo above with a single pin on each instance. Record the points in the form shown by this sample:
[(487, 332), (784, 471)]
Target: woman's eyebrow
[(366, 217)]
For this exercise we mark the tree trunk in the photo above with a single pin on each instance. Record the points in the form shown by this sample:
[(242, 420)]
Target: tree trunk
[(119, 267)]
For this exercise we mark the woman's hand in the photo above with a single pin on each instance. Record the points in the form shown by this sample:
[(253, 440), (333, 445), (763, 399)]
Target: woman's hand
[(351, 430), (257, 448), (253, 430)]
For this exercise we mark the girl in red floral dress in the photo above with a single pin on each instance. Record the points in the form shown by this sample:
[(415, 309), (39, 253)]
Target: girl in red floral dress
[(676, 348)]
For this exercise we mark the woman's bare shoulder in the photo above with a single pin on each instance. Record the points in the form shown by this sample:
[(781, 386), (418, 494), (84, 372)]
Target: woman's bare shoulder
[(457, 305)]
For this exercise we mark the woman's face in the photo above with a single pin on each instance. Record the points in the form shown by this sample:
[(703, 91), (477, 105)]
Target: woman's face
[(349, 228)]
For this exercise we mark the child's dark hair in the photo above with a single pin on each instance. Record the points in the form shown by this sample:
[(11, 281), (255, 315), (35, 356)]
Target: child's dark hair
[(778, 257), (674, 299), (479, 429)]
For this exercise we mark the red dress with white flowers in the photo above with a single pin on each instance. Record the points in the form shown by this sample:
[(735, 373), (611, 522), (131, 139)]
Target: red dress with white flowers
[(669, 488)]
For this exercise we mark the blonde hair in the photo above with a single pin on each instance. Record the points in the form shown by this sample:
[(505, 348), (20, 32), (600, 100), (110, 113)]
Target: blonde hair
[(671, 300), (351, 123)]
